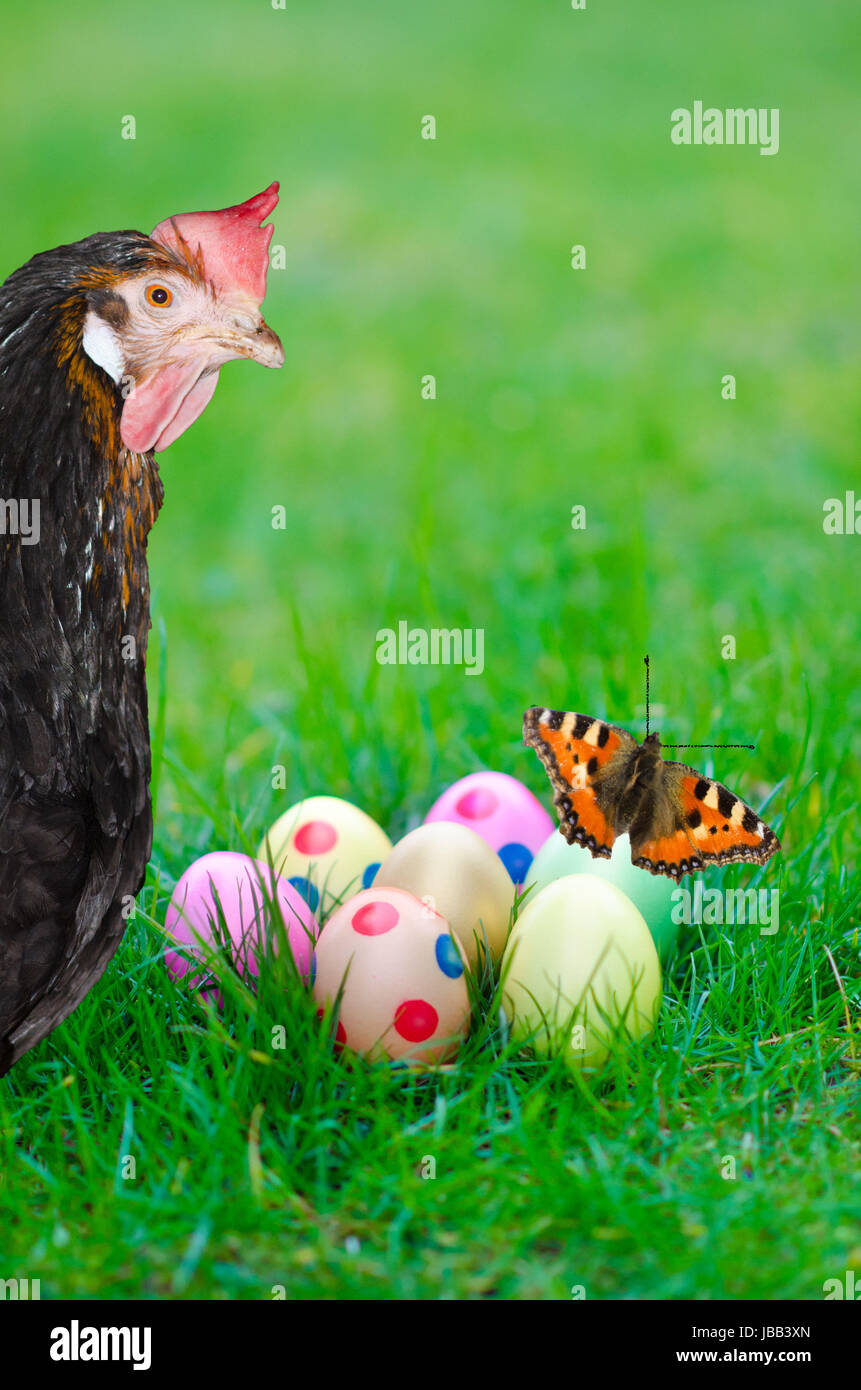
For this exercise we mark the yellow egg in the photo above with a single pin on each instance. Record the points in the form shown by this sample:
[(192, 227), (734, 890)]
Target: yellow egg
[(457, 873), (327, 849), (653, 894), (581, 971)]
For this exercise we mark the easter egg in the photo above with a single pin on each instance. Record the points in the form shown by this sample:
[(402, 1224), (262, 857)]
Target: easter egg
[(502, 811), (651, 893), (404, 992), (231, 891), (582, 971), (456, 872), (327, 849)]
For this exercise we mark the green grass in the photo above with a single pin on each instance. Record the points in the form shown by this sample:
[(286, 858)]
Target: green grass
[(255, 1169)]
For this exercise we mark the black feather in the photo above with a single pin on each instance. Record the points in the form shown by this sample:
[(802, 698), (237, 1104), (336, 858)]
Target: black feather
[(75, 814)]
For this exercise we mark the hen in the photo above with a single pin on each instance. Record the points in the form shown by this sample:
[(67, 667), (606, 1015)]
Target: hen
[(109, 349)]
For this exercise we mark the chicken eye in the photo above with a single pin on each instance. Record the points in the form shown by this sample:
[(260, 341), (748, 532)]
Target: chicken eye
[(158, 295)]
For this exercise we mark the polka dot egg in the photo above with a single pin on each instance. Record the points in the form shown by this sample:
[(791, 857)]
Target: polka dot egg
[(404, 993), (453, 870), (327, 849), (503, 812)]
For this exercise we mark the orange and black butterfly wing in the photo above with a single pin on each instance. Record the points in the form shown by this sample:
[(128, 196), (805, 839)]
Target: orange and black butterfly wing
[(722, 828), (586, 760), (695, 822), (663, 846)]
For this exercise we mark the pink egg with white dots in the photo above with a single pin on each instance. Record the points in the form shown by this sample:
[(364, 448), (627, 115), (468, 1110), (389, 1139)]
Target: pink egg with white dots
[(400, 974), (228, 901), (503, 812)]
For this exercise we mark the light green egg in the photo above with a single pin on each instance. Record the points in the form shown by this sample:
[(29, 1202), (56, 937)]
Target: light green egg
[(581, 972), (652, 894)]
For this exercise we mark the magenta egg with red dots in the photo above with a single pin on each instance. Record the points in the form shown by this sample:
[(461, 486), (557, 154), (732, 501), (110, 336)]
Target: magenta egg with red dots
[(503, 812), (399, 971), (228, 901)]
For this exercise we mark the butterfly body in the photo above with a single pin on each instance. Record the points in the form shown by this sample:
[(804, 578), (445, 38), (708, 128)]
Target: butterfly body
[(606, 784)]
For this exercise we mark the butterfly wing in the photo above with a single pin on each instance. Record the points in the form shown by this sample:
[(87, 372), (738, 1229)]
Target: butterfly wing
[(585, 760), (699, 823), (722, 828)]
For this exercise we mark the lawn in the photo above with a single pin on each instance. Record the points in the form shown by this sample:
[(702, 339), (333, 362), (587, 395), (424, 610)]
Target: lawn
[(294, 1170)]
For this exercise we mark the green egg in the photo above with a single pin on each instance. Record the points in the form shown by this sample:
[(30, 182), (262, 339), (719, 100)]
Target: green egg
[(652, 894), (581, 972)]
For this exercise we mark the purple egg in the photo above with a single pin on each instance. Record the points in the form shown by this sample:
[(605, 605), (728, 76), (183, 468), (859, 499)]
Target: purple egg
[(503, 812), (233, 881)]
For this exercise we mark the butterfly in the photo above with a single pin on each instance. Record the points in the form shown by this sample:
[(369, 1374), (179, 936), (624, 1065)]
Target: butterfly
[(606, 783)]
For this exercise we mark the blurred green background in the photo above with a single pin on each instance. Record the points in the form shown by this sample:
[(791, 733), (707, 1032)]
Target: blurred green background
[(599, 387), (555, 387)]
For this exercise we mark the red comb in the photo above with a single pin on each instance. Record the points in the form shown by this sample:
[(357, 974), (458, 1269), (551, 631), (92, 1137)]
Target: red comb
[(232, 242)]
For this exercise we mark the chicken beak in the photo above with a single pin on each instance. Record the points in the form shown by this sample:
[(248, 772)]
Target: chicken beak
[(172, 397), (266, 346), (247, 335), (159, 410)]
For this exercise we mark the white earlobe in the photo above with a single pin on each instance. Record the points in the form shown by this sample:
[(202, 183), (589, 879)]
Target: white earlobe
[(102, 346)]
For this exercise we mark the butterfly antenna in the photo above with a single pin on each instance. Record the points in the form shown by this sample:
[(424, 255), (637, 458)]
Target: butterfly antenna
[(646, 659), (751, 746)]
